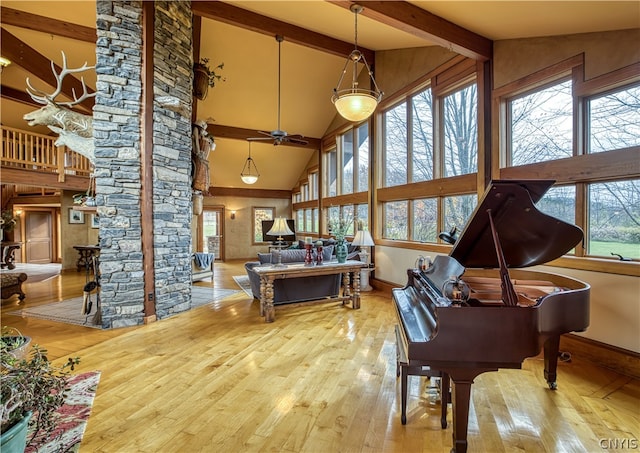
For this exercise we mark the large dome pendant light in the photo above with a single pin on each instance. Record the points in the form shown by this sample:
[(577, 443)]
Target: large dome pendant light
[(354, 103), (249, 173)]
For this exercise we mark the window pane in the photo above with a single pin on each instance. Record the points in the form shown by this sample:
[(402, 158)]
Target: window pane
[(422, 138), (461, 132), (614, 120), (260, 214), (347, 216), (300, 220), (614, 219), (316, 220), (395, 146), (559, 202), (458, 210), (308, 221), (425, 220), (395, 220), (333, 212), (313, 181), (362, 215), (346, 141), (542, 125), (363, 158), (332, 173)]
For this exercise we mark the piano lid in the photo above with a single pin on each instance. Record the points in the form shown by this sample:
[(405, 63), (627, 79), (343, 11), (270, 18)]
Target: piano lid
[(527, 236)]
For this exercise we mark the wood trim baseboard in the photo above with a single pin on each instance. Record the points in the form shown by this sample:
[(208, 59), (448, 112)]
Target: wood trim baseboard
[(607, 356), (601, 354)]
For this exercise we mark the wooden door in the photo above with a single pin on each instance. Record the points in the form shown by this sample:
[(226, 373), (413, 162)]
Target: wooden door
[(38, 233)]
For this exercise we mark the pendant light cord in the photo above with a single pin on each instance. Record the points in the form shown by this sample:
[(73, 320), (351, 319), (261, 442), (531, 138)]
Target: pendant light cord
[(279, 38)]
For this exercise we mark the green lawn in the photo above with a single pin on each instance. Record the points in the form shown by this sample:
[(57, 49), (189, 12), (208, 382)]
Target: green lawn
[(606, 248)]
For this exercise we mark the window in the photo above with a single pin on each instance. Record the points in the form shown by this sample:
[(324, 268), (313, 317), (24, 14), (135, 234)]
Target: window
[(346, 146), (461, 132), (613, 120), (458, 210), (362, 152), (614, 219), (424, 226), (313, 184), (542, 125), (331, 165), (395, 146), (559, 202), (576, 124), (422, 137), (395, 220), (260, 214), (429, 148)]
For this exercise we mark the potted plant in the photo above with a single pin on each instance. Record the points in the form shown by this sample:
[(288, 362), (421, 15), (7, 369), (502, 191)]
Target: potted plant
[(32, 390), (14, 342), (204, 77)]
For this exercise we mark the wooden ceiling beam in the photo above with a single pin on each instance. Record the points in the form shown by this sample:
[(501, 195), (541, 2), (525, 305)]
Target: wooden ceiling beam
[(232, 15), (239, 133), (16, 95), (423, 24), (21, 54), (48, 25)]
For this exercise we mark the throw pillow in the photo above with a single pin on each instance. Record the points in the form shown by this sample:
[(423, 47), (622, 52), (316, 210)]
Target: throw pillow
[(289, 256), (264, 258)]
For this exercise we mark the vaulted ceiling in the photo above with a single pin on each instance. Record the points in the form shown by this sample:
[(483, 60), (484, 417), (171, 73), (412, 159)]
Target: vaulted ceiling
[(318, 37)]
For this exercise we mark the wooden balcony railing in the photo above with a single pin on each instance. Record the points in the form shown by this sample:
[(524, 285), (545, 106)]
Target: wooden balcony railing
[(37, 152)]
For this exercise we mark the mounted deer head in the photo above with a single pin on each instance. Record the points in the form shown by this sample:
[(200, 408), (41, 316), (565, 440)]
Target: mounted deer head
[(57, 113), (73, 141)]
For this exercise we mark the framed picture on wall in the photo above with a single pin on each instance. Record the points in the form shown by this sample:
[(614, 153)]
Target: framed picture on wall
[(76, 216), (95, 221)]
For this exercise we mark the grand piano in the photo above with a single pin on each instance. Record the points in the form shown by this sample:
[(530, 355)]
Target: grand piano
[(475, 310)]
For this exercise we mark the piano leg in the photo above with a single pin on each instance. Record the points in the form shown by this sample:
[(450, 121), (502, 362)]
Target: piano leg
[(551, 351), (404, 371), (445, 398), (461, 399)]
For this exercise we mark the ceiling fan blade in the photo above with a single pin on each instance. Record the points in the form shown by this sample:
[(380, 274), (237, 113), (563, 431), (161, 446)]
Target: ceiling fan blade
[(255, 139), (270, 134)]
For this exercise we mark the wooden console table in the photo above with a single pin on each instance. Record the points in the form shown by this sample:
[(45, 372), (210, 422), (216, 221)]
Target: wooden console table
[(8, 251), (86, 252), (269, 273)]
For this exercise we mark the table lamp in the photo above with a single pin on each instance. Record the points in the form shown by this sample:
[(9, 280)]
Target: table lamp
[(363, 239), (279, 229)]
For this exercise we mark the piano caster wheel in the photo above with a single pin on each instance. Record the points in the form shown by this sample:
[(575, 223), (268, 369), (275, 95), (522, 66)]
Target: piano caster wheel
[(553, 385)]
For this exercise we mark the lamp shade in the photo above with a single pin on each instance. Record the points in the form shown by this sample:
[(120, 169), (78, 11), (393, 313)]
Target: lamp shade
[(363, 237), (355, 106), (249, 179), (280, 228)]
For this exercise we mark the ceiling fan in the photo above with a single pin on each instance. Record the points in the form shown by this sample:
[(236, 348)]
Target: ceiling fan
[(279, 136)]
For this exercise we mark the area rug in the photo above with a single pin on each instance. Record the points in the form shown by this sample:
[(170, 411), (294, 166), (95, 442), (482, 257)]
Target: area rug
[(69, 310), (36, 272), (243, 282), (73, 416)]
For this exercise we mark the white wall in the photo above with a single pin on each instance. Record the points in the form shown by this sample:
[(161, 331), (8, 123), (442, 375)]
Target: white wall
[(615, 299)]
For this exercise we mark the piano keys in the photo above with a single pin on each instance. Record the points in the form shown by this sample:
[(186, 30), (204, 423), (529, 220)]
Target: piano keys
[(476, 310)]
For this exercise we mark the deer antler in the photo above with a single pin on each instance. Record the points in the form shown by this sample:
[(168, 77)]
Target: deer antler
[(43, 98)]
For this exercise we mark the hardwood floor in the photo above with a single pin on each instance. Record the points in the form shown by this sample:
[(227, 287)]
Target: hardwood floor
[(321, 378)]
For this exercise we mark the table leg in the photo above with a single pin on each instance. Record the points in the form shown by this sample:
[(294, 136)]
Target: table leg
[(346, 285), (266, 300), (356, 290)]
